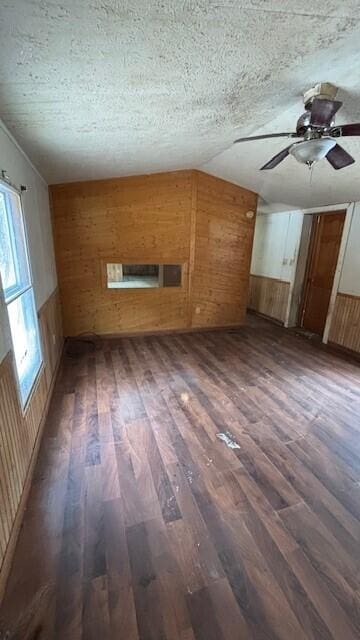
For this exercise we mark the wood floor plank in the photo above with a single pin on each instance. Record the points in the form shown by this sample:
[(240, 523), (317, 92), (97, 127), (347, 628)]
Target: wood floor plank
[(172, 592), (203, 619), (145, 584), (121, 605), (69, 579), (338, 519), (328, 607), (331, 562), (145, 383), (300, 602), (95, 613), (93, 453), (229, 617)]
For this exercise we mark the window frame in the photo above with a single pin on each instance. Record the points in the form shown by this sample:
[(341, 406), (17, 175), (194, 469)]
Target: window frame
[(18, 292)]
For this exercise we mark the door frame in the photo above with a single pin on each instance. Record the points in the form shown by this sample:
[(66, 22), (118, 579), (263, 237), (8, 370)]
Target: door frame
[(309, 259), (293, 304), (344, 240), (315, 222)]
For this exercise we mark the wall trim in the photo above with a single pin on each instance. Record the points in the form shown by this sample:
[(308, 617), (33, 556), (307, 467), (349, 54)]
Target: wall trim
[(293, 271), (255, 275), (342, 251), (342, 351), (348, 295), (52, 295), (330, 208)]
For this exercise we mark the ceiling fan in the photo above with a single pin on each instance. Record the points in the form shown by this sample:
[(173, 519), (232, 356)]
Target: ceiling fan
[(317, 128)]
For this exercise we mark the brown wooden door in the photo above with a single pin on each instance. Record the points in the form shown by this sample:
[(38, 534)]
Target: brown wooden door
[(323, 256)]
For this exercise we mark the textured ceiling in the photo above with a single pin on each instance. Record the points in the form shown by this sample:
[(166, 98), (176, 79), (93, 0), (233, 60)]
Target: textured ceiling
[(99, 88)]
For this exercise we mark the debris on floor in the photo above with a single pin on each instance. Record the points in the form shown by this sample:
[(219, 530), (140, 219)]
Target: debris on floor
[(229, 440)]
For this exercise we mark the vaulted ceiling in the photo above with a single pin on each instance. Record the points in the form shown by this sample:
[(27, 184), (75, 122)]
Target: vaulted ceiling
[(100, 88)]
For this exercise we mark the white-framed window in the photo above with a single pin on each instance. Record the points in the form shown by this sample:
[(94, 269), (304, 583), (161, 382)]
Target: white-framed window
[(18, 291)]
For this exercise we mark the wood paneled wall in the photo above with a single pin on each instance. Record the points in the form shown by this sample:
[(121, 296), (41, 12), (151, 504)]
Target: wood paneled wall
[(20, 433), (223, 245), (180, 217), (138, 219), (345, 325), (269, 296)]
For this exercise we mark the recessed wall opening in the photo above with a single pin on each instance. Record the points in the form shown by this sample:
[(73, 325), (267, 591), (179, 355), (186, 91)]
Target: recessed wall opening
[(142, 276)]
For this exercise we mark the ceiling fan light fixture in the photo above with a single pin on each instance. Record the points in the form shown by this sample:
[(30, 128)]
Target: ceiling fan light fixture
[(310, 151)]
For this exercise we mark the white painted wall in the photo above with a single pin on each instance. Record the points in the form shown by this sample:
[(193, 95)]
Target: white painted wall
[(38, 224), (350, 273), (276, 243)]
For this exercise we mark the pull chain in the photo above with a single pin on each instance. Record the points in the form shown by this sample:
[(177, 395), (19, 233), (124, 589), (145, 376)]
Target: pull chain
[(311, 167)]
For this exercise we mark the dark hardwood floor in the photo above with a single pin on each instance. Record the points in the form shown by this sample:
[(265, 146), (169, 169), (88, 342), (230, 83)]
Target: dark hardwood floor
[(143, 524)]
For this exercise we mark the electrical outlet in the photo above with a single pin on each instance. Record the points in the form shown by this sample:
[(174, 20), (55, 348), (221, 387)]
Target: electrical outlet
[(54, 338), (198, 310)]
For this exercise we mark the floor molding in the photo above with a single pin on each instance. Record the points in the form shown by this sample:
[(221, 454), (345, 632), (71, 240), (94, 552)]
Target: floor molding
[(253, 312), (159, 332)]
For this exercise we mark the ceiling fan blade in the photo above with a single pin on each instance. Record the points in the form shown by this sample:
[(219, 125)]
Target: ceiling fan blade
[(269, 135), (339, 158), (276, 159), (346, 130), (323, 111)]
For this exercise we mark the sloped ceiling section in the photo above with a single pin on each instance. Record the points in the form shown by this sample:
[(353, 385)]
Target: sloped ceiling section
[(103, 88)]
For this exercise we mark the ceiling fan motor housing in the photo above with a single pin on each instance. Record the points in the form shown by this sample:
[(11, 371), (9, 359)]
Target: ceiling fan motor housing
[(306, 130), (321, 91), (303, 123)]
